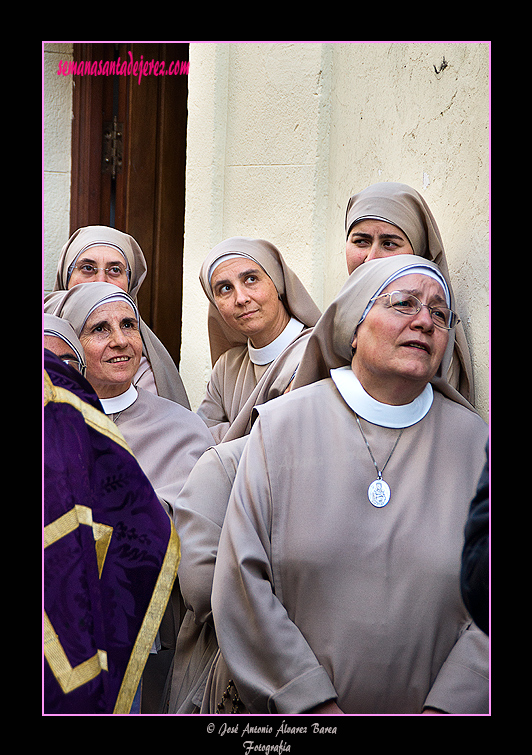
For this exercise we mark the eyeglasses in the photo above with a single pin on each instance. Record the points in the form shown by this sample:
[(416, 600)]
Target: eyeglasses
[(408, 304), (79, 366), (89, 271)]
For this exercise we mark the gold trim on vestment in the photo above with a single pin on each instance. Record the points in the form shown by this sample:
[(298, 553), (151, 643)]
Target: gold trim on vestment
[(70, 521), (150, 625), (92, 416), (70, 677)]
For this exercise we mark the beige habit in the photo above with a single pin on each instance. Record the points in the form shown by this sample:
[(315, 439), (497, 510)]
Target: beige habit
[(317, 594), (236, 383), (405, 208), (157, 364), (199, 514)]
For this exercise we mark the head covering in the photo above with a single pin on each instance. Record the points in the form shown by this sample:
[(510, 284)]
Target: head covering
[(167, 378), (404, 207), (292, 293), (416, 269), (101, 235), (65, 376), (329, 345), (76, 304), (60, 328)]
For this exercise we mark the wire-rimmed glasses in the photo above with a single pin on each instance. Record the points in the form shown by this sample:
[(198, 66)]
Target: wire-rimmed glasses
[(408, 304), (72, 362), (88, 270)]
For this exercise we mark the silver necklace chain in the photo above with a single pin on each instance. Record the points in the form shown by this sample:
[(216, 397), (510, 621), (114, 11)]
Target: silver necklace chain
[(379, 473)]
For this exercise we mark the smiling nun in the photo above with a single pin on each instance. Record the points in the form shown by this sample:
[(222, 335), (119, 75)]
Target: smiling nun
[(100, 253), (166, 438)]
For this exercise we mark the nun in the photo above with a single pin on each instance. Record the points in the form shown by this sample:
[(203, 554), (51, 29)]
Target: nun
[(337, 581), (388, 219), (59, 338), (99, 253), (166, 438), (258, 307), (199, 513)]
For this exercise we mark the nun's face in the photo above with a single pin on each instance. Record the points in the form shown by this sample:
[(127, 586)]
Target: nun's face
[(374, 239), (397, 355), (100, 263), (113, 348), (248, 301)]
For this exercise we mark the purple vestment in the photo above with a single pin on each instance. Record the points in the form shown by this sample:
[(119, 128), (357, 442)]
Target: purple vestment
[(110, 554)]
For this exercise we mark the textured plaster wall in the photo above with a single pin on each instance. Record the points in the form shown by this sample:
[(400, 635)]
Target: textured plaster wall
[(257, 145), (57, 115), (393, 118), (280, 135)]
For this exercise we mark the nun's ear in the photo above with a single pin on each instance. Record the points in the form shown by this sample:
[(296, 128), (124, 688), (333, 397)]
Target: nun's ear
[(354, 345)]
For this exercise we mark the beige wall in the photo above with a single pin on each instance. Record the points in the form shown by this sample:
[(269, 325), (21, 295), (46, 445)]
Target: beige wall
[(256, 166), (280, 135)]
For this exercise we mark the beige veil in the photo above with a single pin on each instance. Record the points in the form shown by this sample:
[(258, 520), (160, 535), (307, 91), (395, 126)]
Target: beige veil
[(167, 378), (405, 208), (75, 304), (61, 328), (329, 345), (293, 294)]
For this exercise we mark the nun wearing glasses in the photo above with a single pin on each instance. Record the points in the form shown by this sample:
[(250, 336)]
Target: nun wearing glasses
[(98, 253), (341, 546), (59, 337)]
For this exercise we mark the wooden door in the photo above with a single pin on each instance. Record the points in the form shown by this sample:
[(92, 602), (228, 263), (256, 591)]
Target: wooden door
[(145, 196)]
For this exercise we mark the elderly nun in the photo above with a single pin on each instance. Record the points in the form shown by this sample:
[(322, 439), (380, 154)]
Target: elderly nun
[(166, 438), (258, 308), (341, 546), (99, 253)]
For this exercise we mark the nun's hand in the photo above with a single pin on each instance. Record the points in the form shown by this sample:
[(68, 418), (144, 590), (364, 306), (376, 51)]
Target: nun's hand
[(326, 709)]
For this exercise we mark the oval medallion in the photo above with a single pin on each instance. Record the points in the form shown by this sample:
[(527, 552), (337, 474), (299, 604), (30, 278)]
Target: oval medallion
[(379, 493)]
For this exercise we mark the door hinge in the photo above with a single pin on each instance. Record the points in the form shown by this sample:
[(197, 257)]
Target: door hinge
[(112, 147)]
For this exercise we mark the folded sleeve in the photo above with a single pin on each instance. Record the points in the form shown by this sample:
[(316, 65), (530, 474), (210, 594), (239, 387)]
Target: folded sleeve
[(199, 512), (462, 684), (211, 410)]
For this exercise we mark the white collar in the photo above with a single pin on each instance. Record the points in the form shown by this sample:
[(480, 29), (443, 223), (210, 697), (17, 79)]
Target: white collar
[(372, 410), (270, 352), (119, 403)]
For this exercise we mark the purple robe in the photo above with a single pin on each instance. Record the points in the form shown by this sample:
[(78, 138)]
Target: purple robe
[(110, 554)]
